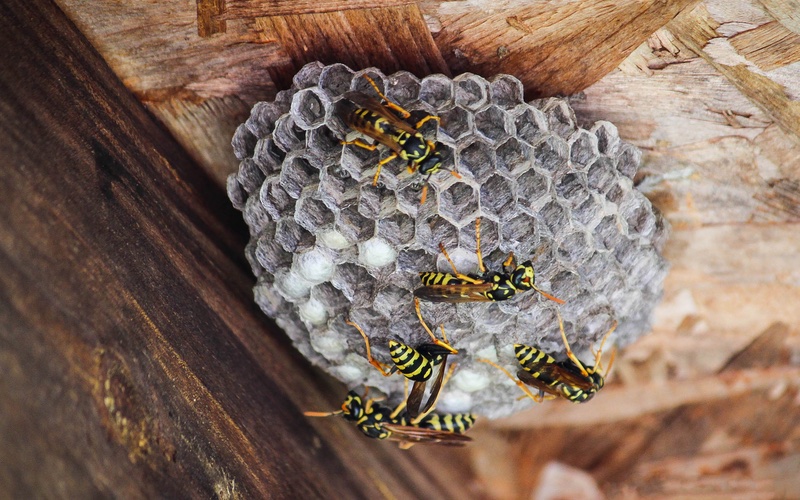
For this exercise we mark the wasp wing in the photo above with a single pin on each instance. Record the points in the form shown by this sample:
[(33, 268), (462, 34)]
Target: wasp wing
[(410, 434), (554, 373), (374, 105), (539, 383), (464, 292)]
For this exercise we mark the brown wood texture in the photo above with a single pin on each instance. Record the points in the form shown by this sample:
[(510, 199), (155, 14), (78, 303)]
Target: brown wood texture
[(710, 94), (134, 362)]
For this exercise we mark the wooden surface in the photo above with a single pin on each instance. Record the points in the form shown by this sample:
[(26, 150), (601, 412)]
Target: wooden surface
[(709, 90), (134, 362)]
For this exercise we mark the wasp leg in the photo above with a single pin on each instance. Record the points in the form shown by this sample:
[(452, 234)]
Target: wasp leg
[(548, 296), (598, 356), (380, 166), (360, 143), (520, 384), (457, 274), (386, 102), (478, 245), (401, 406), (510, 262), (571, 355), (374, 362), (426, 119), (436, 341)]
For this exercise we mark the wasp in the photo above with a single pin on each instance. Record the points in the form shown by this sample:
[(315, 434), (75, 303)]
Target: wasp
[(416, 364), (381, 422), (569, 379), (484, 286), (384, 122)]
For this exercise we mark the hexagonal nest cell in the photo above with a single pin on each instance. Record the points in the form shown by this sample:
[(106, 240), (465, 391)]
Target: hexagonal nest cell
[(326, 245)]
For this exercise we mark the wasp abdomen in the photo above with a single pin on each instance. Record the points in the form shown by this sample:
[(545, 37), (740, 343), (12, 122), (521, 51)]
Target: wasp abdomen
[(410, 362)]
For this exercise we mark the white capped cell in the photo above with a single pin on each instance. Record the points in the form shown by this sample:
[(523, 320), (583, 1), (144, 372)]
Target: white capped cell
[(314, 266), (376, 252)]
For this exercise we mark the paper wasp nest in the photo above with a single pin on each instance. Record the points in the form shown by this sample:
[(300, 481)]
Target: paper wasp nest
[(327, 245)]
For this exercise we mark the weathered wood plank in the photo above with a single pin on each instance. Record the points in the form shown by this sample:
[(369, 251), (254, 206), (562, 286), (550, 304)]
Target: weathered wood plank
[(242, 9), (134, 361), (555, 48)]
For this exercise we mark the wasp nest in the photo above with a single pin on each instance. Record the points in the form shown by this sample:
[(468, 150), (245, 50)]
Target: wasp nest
[(326, 245)]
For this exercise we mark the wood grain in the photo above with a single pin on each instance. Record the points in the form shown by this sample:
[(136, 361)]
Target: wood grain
[(555, 48), (134, 361), (242, 9)]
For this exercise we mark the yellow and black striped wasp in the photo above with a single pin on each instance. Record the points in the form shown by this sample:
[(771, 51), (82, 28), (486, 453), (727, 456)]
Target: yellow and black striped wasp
[(380, 422), (385, 123), (483, 286), (416, 364), (569, 379)]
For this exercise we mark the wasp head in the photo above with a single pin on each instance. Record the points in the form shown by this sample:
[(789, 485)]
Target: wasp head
[(523, 277)]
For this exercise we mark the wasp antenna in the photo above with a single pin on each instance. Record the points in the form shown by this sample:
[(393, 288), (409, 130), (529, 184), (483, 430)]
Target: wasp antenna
[(322, 413), (548, 296)]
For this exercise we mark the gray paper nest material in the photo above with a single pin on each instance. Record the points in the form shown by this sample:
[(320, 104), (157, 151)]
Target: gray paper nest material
[(327, 245)]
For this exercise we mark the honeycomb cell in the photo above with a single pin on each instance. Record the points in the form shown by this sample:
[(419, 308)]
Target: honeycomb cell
[(638, 213), (560, 117), (396, 229), (436, 90), (275, 199), (287, 135), (308, 109), (292, 237), (250, 177), (353, 225), (533, 188), (330, 297), (498, 197), (555, 216), (415, 260), (521, 230), (269, 300), (583, 148), (337, 187), (308, 76), (391, 301), (628, 160), (565, 285), (270, 255), (490, 238), (506, 91), (315, 266), (360, 163), (472, 91), (601, 176), (324, 142), (434, 231), (356, 284), (376, 252), (607, 232), (607, 137), (408, 200), (313, 215), (458, 203), (299, 172), (403, 88), (587, 211), (575, 247), (262, 119), (455, 123), (314, 313), (268, 156), (493, 123), (477, 160), (236, 193), (617, 191), (572, 187), (531, 126), (335, 80), (513, 157), (551, 154), (369, 201), (256, 216), (243, 142)]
